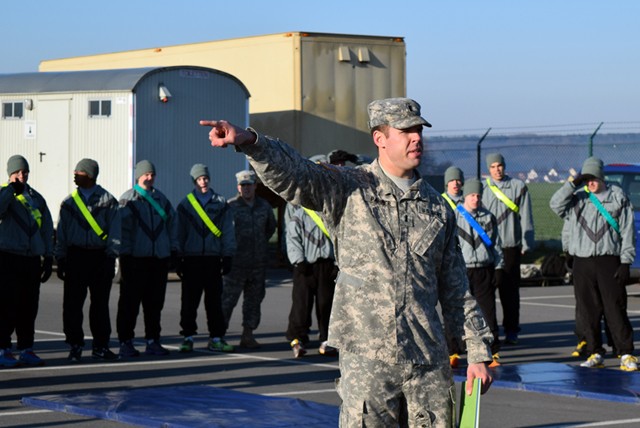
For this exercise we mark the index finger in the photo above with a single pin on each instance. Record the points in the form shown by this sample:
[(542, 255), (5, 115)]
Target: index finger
[(208, 122)]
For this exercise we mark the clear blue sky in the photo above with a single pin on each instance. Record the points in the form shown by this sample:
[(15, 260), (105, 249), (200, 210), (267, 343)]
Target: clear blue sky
[(511, 64)]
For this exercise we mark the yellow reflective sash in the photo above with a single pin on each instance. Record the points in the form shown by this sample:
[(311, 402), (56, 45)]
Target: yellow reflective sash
[(505, 200), (447, 198), (317, 220), (35, 213), (203, 215), (87, 215)]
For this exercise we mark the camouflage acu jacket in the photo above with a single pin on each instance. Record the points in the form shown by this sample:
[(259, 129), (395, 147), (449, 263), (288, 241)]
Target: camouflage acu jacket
[(397, 253)]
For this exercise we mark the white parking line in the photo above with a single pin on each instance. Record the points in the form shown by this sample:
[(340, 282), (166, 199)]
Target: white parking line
[(212, 357), (24, 412), (624, 422)]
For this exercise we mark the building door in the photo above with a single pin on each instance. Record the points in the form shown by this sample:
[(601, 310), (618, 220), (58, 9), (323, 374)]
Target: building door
[(51, 174)]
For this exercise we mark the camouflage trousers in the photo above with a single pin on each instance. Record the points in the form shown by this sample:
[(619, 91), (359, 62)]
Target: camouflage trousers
[(251, 282), (377, 394)]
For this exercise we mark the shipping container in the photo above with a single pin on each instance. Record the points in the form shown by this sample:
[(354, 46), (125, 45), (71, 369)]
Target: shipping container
[(309, 89)]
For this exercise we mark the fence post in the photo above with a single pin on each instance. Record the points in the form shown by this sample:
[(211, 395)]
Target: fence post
[(591, 139), (478, 155)]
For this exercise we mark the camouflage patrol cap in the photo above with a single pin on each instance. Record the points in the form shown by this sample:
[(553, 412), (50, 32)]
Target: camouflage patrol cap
[(246, 177), (399, 113)]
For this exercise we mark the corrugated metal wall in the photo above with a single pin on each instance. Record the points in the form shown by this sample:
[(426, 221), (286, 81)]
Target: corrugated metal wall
[(340, 77), (169, 135)]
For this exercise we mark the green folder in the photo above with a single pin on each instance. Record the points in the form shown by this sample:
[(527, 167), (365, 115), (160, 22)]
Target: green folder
[(470, 406)]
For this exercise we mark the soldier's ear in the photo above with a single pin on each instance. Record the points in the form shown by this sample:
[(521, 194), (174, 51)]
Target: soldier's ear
[(379, 139)]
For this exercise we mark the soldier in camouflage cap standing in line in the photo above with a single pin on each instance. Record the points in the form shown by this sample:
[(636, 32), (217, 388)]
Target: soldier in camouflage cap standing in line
[(254, 224), (396, 247)]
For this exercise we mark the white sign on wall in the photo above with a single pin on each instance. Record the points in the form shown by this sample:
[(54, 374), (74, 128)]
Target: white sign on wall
[(30, 129)]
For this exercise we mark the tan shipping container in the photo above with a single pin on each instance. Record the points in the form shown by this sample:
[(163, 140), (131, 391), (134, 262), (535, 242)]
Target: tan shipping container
[(309, 89)]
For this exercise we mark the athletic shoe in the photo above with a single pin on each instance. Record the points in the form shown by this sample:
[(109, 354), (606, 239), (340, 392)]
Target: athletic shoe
[(628, 363), (511, 339), (187, 345), (155, 348), (581, 349), (298, 348), (495, 362), (326, 350), (128, 350), (29, 358), (7, 359), (75, 354), (454, 360), (219, 346), (104, 354), (594, 361)]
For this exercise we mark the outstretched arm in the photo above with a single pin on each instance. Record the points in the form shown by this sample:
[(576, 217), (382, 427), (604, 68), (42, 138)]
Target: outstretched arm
[(224, 133)]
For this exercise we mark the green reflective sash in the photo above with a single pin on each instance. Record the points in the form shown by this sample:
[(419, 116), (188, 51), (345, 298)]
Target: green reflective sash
[(151, 201), (447, 198), (594, 199), (87, 215), (317, 220), (505, 200), (35, 213), (203, 215)]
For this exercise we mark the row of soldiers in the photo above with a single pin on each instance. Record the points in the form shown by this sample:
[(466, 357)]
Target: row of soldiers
[(204, 239), (495, 227)]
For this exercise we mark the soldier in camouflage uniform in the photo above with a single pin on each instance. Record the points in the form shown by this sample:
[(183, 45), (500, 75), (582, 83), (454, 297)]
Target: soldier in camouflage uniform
[(254, 224), (396, 247)]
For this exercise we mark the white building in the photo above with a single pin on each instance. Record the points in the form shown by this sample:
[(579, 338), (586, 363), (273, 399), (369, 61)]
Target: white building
[(119, 117)]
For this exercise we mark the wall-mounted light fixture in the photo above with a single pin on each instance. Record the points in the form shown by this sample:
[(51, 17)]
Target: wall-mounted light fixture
[(28, 104), (163, 93)]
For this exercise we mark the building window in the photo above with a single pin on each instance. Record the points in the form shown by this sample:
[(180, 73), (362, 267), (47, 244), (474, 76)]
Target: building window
[(100, 108), (14, 110)]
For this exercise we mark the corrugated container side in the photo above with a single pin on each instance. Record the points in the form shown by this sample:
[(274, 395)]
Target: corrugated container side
[(169, 134)]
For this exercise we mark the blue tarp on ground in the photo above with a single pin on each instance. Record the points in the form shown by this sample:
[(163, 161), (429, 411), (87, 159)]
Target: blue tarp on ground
[(191, 406), (199, 406), (562, 379)]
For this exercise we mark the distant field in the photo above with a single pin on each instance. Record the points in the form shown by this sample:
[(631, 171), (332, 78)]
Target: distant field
[(548, 225)]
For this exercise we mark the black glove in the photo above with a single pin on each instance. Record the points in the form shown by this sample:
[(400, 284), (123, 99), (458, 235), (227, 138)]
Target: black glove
[(622, 274), (47, 268), (581, 179), (109, 267), (226, 265), (498, 278), (18, 187), (568, 262), (61, 269)]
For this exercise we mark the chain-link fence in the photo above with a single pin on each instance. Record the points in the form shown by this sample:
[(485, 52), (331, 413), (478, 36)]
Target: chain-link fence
[(543, 162)]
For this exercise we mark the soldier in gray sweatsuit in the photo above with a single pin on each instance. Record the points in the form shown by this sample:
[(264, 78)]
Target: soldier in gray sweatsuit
[(148, 243), (26, 258), (602, 240), (515, 226), (483, 260), (396, 245), (86, 260), (310, 251), (207, 252)]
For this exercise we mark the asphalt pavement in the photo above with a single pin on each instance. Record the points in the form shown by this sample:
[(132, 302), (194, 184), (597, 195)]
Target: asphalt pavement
[(271, 371)]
